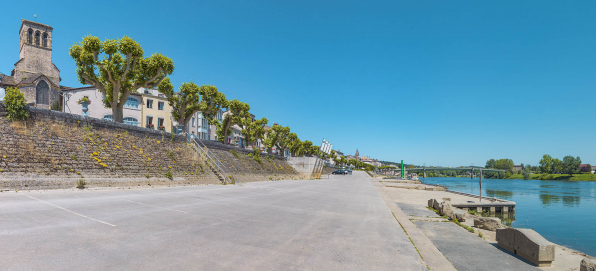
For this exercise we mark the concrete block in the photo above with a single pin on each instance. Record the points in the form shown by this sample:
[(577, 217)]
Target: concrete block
[(487, 223), (506, 239), (533, 247), (527, 244), (588, 265), (446, 199)]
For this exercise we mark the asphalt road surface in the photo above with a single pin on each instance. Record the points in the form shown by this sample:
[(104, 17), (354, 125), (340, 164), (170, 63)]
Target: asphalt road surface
[(340, 223)]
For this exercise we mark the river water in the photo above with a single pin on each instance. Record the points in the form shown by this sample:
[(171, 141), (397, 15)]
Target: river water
[(564, 212)]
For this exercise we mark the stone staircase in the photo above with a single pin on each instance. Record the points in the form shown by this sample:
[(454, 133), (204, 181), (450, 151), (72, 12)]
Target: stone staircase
[(212, 162)]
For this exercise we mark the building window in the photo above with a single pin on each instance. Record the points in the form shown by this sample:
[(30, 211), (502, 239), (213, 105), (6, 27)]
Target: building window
[(108, 118), (149, 103), (147, 92), (160, 123), (131, 103), (159, 105), (131, 121), (37, 37), (193, 122), (149, 123), (42, 93), (30, 36), (44, 40)]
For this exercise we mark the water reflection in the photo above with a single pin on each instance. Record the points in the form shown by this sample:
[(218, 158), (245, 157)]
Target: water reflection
[(568, 201), (499, 194)]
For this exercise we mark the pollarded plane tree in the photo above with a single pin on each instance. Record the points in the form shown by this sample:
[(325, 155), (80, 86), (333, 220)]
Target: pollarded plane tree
[(117, 67), (253, 131), (277, 137), (294, 144), (235, 114), (192, 99)]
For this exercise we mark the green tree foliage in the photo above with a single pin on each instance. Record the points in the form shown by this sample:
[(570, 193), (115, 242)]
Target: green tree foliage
[(556, 166), (546, 164), (526, 173), (236, 112), (191, 99), (16, 106), (490, 164), (571, 164), (588, 168), (295, 144), (277, 137), (117, 67), (253, 130)]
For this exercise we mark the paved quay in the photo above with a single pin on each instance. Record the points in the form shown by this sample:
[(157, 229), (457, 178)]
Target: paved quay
[(340, 223), (464, 250)]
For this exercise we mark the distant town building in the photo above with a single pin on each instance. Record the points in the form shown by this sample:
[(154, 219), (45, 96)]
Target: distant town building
[(517, 167)]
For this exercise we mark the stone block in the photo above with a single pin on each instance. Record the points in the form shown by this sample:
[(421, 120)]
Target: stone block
[(588, 265), (487, 223), (533, 247), (506, 239), (459, 215), (527, 244), (446, 209)]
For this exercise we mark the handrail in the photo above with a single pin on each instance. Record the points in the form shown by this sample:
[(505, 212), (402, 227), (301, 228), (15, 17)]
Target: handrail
[(215, 162)]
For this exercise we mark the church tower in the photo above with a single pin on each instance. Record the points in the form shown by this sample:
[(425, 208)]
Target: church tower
[(356, 154), (35, 74)]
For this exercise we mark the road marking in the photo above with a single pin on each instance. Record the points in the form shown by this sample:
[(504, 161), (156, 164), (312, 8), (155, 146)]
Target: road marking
[(154, 206), (70, 211), (120, 198)]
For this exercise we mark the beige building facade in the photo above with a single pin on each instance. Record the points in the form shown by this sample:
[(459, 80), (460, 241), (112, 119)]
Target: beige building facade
[(157, 112)]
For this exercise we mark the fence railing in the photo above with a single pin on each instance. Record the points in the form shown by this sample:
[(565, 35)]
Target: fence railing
[(214, 163)]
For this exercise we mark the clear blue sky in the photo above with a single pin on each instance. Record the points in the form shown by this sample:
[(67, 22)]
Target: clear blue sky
[(438, 82)]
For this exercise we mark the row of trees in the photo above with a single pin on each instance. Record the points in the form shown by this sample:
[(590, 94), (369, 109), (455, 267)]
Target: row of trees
[(568, 165), (118, 67), (548, 165), (341, 160)]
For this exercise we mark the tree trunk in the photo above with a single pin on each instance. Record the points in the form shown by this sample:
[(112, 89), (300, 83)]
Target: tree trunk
[(117, 114)]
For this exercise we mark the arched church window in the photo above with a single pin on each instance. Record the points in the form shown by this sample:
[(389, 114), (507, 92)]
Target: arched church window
[(44, 40), (37, 37), (42, 93), (30, 36)]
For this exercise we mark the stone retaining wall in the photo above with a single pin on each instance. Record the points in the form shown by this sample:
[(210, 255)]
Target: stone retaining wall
[(56, 149)]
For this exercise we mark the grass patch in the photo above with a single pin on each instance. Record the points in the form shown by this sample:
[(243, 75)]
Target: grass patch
[(81, 184), (74, 157), (470, 229), (169, 175), (233, 152)]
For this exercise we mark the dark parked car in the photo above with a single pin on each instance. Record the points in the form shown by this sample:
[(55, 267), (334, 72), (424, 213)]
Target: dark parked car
[(339, 171)]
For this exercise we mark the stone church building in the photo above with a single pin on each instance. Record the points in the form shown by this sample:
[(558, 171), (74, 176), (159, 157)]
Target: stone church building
[(35, 74)]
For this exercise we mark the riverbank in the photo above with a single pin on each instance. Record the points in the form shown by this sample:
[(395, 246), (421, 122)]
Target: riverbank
[(463, 249), (558, 177)]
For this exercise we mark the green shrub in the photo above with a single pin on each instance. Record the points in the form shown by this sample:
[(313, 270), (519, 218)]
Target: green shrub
[(147, 175), (16, 106), (81, 184), (74, 157), (268, 159), (56, 106), (235, 154), (257, 157), (169, 175)]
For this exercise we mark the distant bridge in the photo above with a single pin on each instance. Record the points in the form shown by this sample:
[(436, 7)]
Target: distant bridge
[(471, 169)]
